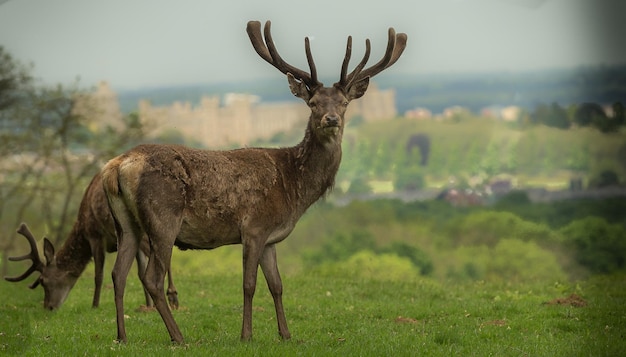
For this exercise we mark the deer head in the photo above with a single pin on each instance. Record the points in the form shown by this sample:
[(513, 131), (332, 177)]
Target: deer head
[(56, 282), (328, 104)]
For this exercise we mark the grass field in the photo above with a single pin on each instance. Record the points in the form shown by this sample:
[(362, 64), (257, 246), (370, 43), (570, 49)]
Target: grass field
[(330, 317)]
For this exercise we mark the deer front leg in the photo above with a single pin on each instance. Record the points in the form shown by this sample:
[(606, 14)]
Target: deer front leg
[(269, 266), (142, 263), (252, 251), (97, 250)]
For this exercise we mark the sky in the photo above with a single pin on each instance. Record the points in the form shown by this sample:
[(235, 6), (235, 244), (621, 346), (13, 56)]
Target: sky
[(150, 43)]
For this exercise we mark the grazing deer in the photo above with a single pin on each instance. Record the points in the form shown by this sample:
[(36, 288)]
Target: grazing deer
[(197, 199), (92, 235)]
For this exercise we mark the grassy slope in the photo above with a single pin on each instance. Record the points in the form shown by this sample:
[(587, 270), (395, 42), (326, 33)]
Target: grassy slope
[(329, 317)]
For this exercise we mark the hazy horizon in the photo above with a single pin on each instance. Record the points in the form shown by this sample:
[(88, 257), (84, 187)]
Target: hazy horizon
[(154, 44)]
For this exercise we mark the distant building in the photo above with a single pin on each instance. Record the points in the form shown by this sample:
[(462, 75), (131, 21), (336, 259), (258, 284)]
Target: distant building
[(509, 113), (241, 118), (453, 111), (375, 105), (237, 119), (101, 108), (418, 113)]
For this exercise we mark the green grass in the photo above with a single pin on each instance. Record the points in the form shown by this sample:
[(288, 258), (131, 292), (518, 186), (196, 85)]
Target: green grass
[(329, 317)]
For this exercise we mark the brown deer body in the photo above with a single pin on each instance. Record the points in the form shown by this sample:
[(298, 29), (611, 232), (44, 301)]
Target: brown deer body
[(197, 199), (92, 235)]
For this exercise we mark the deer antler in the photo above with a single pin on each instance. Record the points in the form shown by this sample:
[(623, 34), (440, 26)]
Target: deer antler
[(267, 50), (33, 255), (395, 46)]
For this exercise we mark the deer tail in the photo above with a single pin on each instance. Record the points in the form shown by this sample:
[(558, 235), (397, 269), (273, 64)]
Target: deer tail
[(110, 176)]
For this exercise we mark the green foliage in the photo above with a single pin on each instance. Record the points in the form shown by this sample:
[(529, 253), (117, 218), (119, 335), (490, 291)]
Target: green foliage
[(341, 246), (489, 227), (551, 115), (458, 242), (597, 244), (515, 198), (477, 146), (366, 265), (606, 178), (509, 260), (409, 178), (418, 257), (359, 185), (517, 260), (561, 213)]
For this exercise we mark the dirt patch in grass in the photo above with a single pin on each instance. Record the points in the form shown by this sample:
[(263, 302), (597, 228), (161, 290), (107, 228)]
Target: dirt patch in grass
[(572, 300), (406, 320)]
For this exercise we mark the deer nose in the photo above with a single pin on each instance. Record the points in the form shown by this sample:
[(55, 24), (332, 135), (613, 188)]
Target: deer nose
[(332, 120)]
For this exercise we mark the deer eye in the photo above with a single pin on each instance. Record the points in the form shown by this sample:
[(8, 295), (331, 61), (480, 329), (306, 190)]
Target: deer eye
[(345, 104)]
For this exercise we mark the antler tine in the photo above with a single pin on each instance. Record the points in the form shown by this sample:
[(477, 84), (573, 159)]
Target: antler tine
[(267, 50), (395, 46), (355, 73), (254, 33), (309, 59), (33, 255), (346, 62)]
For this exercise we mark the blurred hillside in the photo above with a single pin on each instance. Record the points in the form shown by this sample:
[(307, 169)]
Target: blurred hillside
[(434, 92)]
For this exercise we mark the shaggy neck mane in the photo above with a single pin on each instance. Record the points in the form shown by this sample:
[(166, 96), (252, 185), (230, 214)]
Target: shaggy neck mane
[(316, 164)]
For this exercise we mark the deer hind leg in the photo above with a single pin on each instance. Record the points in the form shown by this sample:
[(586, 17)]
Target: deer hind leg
[(127, 247), (161, 244), (274, 283)]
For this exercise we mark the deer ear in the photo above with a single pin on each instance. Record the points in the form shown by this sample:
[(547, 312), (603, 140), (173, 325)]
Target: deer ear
[(298, 88), (48, 251), (358, 89)]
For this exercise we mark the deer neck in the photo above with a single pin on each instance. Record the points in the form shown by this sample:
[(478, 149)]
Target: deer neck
[(75, 253), (317, 161)]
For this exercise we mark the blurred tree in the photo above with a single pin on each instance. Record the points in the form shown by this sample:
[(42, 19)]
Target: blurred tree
[(619, 113), (420, 141), (382, 164), (14, 78), (359, 185), (605, 178), (551, 115), (341, 246), (409, 178), (587, 113), (558, 118), (418, 257), (48, 152), (597, 245)]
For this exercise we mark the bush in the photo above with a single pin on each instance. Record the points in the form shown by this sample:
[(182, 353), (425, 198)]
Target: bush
[(509, 260), (371, 266), (409, 178), (341, 246), (488, 227), (513, 259), (418, 257), (596, 244), (359, 185)]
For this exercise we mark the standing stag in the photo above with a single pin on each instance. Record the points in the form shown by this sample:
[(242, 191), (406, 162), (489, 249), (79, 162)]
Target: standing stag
[(197, 199), (93, 234)]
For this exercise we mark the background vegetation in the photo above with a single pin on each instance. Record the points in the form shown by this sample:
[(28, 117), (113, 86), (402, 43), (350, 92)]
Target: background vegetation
[(363, 274)]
